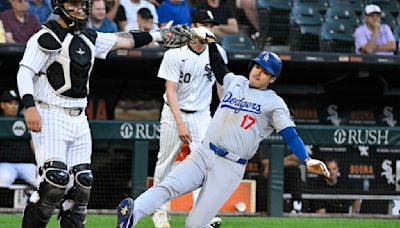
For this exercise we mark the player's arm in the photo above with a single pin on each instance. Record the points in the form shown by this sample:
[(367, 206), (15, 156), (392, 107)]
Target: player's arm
[(25, 87), (218, 66), (170, 37), (296, 145), (126, 40), (172, 99)]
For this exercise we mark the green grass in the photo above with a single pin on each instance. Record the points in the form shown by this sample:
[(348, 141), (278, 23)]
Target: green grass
[(108, 221)]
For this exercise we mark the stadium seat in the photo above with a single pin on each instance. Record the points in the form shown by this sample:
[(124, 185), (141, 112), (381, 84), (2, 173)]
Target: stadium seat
[(305, 23), (354, 5), (237, 42), (320, 5), (387, 18), (275, 4), (343, 15), (336, 37), (274, 21)]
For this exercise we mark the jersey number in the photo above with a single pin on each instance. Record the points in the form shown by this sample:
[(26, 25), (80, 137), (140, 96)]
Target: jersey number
[(184, 77), (247, 122)]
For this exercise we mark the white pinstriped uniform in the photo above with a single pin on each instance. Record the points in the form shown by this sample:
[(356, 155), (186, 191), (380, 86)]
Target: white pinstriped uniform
[(195, 80), (245, 116), (63, 137)]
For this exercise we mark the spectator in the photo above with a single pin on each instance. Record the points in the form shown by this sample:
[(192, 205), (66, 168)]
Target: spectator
[(333, 185), (16, 158), (41, 9), (131, 8), (224, 15), (373, 37), (116, 12), (98, 19), (251, 11), (179, 11), (145, 22), (293, 183), (19, 24)]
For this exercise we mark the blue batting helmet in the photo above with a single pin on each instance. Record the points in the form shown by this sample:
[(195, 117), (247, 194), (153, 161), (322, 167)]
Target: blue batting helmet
[(269, 61)]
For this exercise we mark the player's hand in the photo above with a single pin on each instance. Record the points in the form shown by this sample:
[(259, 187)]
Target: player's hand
[(184, 133), (203, 33), (33, 120), (317, 166)]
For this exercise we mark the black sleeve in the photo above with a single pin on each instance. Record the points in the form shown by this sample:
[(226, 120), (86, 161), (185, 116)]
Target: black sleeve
[(218, 66), (141, 38)]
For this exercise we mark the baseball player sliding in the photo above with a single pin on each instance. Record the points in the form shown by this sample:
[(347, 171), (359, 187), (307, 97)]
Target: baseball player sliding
[(53, 81), (186, 113), (247, 113)]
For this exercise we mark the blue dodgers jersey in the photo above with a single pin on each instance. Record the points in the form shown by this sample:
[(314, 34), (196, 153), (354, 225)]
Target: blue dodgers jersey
[(245, 116)]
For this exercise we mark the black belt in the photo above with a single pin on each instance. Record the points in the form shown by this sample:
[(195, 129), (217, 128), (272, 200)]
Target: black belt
[(183, 110)]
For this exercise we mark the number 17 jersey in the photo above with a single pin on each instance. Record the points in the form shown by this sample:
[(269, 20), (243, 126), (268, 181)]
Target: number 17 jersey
[(246, 116)]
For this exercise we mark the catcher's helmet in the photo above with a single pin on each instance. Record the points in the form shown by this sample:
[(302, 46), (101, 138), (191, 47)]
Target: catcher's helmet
[(74, 21), (269, 61)]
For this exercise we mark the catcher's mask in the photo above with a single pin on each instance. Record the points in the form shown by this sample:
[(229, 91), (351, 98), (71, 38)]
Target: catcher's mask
[(269, 61), (73, 20)]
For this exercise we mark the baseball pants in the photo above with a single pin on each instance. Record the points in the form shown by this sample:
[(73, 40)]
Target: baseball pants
[(218, 177)]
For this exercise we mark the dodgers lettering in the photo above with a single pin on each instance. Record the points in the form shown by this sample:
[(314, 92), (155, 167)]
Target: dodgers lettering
[(240, 104)]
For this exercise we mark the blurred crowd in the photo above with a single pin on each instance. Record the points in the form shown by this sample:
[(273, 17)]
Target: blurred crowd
[(304, 25)]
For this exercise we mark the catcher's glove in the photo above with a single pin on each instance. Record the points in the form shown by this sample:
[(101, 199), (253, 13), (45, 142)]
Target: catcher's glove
[(317, 166), (175, 36)]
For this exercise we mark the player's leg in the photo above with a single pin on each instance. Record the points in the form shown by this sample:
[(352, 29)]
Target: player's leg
[(198, 124), (222, 179), (170, 145), (184, 178), (74, 205), (51, 190), (50, 148), (8, 174)]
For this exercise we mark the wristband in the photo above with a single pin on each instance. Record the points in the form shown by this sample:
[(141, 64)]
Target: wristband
[(27, 101)]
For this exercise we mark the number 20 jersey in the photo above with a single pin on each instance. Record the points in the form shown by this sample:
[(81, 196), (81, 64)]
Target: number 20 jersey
[(192, 71)]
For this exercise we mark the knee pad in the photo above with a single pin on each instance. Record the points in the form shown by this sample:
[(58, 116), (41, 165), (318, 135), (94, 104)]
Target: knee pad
[(55, 173), (51, 192), (56, 179), (83, 182), (73, 215)]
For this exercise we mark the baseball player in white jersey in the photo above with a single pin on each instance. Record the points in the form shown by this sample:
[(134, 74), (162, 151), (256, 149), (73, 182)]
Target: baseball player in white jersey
[(186, 112), (247, 113), (53, 81)]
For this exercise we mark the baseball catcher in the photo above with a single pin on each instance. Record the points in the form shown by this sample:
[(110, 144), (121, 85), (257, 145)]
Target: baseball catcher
[(53, 81)]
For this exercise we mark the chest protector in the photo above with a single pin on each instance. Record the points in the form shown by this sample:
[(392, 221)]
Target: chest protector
[(69, 72)]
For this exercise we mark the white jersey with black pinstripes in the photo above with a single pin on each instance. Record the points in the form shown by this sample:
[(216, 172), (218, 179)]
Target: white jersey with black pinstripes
[(38, 61), (246, 115), (192, 72)]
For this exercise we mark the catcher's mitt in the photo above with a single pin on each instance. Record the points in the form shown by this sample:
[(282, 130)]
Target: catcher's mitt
[(176, 36), (318, 167)]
